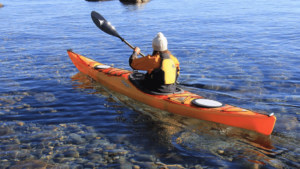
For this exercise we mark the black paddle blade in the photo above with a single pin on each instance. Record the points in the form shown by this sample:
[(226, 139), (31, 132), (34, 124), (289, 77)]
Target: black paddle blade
[(104, 25)]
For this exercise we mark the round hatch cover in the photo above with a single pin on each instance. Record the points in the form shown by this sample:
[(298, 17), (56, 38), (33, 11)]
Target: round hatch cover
[(207, 103), (102, 67)]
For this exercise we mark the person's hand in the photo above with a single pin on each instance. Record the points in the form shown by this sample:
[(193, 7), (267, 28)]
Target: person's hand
[(137, 50)]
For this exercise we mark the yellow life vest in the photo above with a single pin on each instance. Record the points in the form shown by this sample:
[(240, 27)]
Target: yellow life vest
[(167, 73), (169, 68)]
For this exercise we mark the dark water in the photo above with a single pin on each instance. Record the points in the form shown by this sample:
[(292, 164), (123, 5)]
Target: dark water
[(243, 53)]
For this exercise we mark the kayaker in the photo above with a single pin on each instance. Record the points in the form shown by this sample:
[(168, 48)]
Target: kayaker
[(162, 67)]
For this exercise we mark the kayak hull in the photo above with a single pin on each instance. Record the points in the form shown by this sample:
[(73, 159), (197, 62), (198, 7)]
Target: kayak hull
[(118, 80)]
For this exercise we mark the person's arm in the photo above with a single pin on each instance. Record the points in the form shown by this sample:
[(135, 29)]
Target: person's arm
[(144, 63), (134, 55)]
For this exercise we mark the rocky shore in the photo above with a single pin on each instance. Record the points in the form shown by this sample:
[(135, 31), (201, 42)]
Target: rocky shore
[(29, 145), (124, 1), (98, 0), (134, 1)]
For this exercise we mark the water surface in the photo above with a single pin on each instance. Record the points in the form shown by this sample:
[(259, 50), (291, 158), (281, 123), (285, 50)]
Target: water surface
[(243, 53)]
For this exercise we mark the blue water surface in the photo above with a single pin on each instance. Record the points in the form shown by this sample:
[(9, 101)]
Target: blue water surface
[(240, 52)]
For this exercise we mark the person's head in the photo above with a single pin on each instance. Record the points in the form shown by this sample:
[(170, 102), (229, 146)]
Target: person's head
[(160, 43)]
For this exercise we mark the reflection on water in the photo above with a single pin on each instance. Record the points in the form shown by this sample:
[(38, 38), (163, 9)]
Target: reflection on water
[(133, 7)]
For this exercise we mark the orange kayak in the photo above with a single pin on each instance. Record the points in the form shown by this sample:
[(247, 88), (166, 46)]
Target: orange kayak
[(182, 102)]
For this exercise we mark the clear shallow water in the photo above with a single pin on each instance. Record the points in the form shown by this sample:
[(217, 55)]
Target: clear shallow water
[(242, 53)]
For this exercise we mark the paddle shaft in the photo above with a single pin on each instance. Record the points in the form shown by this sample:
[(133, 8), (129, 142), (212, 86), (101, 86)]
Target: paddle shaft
[(130, 46)]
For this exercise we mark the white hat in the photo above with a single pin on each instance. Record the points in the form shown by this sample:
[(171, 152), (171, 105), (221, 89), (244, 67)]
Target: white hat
[(160, 42)]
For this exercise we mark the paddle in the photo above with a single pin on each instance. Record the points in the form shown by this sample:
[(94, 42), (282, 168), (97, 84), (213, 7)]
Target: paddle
[(106, 27)]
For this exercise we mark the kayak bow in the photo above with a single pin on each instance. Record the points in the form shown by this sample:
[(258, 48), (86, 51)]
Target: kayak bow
[(182, 103)]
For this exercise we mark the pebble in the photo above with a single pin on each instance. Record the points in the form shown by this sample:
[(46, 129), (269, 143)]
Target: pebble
[(116, 158), (98, 149), (110, 147), (19, 123), (82, 152), (125, 164), (5, 131), (71, 153), (130, 155), (59, 156), (23, 153), (4, 160), (76, 139), (89, 150), (132, 160), (11, 147), (100, 142), (5, 164), (90, 136), (136, 167), (16, 141), (29, 158), (94, 157), (63, 125), (89, 165), (149, 165), (81, 161), (117, 152), (198, 166), (144, 157), (65, 160), (110, 160)]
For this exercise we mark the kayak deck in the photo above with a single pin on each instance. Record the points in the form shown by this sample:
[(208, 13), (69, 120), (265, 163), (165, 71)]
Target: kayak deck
[(178, 103)]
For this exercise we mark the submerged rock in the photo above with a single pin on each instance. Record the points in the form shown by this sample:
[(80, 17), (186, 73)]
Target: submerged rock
[(144, 157), (71, 153), (76, 139), (117, 152), (5, 164), (1, 5), (94, 157), (5, 131)]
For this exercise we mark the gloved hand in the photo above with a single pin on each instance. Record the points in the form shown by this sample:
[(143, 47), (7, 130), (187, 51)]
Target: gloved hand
[(137, 50)]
